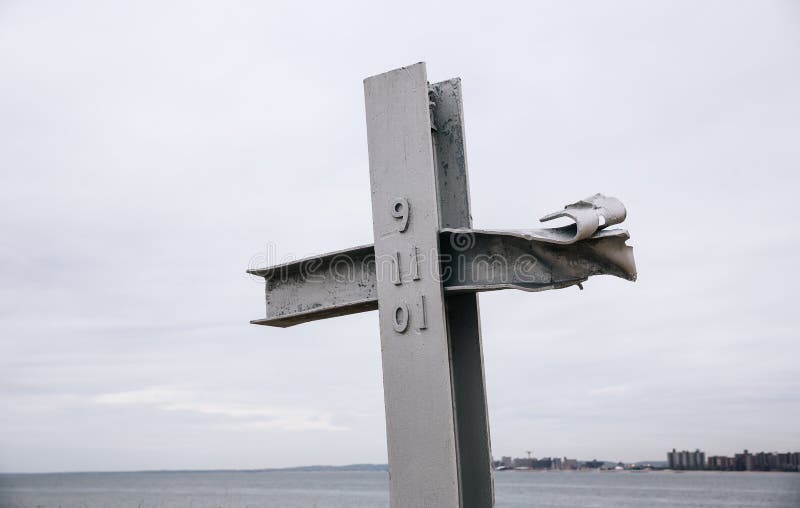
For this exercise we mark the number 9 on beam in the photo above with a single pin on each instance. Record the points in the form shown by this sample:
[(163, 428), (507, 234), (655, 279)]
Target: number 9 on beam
[(401, 211)]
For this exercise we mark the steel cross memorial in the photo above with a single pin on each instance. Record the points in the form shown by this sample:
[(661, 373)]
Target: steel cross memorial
[(423, 274)]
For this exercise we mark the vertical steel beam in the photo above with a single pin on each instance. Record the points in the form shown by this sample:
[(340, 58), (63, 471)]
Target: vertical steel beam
[(463, 320), (417, 379)]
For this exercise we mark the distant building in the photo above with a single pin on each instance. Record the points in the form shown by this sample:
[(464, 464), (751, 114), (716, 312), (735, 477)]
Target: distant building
[(568, 464), (563, 464), (523, 462), (593, 464), (789, 461), (507, 462), (686, 459), (699, 459), (721, 463), (744, 461), (774, 461), (761, 461)]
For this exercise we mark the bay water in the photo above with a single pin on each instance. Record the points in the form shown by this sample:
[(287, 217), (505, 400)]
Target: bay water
[(362, 489)]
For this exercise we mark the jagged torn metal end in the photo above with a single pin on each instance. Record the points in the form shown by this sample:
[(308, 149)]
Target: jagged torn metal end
[(312, 288), (594, 249)]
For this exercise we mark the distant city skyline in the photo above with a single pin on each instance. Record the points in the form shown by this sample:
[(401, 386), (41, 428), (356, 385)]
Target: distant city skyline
[(680, 460)]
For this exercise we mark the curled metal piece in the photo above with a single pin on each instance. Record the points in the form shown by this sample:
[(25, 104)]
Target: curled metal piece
[(590, 215)]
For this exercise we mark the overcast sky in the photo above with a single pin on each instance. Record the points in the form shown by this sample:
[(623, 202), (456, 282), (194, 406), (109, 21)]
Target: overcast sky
[(149, 151)]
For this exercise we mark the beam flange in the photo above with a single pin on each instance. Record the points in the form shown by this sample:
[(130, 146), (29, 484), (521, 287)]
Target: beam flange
[(472, 260)]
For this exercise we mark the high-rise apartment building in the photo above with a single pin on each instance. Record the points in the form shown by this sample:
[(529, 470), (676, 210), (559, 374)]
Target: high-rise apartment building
[(686, 459)]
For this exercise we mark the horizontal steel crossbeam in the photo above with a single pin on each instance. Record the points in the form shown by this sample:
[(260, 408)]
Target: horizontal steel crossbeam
[(345, 282)]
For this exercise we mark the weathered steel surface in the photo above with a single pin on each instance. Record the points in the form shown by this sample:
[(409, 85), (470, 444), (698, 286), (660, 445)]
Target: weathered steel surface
[(463, 316), (497, 259), (472, 260), (417, 383), (319, 287)]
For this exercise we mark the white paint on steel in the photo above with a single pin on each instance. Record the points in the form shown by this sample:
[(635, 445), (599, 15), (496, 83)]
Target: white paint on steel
[(420, 423)]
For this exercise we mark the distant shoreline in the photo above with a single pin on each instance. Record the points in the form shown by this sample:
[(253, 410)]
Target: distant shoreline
[(299, 469), (370, 468)]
